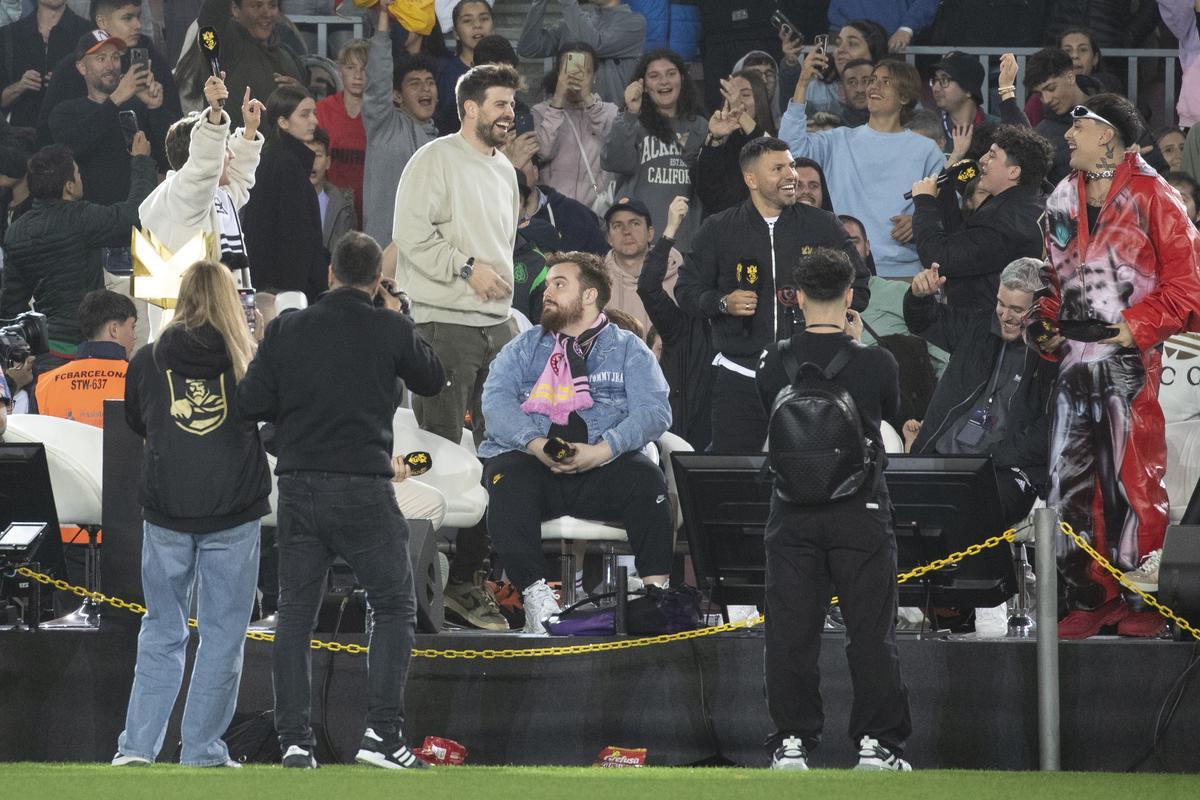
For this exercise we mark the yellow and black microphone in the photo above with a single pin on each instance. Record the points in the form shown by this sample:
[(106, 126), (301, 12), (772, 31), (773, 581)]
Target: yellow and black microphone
[(558, 449), (748, 281), (419, 462), (210, 46), (958, 174)]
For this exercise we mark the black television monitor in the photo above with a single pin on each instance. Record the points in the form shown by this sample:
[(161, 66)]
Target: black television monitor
[(942, 504), (26, 496)]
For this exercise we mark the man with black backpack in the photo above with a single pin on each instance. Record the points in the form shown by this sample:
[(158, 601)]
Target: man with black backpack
[(830, 526)]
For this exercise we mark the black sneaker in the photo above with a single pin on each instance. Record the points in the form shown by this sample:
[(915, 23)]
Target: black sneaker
[(390, 754), (874, 757), (790, 755), (298, 757)]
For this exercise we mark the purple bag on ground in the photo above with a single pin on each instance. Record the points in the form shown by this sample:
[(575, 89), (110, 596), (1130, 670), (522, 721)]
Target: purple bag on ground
[(656, 611)]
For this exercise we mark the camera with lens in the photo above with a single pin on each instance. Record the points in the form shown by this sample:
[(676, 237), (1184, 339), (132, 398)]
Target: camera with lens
[(21, 337)]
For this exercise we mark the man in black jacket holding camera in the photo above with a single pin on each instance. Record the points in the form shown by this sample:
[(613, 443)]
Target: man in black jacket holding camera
[(972, 252), (993, 399), (333, 433), (738, 275)]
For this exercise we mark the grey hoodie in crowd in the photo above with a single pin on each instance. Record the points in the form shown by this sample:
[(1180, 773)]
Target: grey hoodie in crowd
[(655, 172), (393, 135), (776, 106)]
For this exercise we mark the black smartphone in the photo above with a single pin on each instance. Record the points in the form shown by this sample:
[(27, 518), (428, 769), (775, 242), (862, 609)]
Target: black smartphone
[(523, 123), (129, 126), (781, 23), (248, 306), (1086, 330), (139, 55)]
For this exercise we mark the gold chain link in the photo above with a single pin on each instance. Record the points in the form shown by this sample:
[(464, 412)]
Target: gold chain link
[(1120, 576), (620, 644)]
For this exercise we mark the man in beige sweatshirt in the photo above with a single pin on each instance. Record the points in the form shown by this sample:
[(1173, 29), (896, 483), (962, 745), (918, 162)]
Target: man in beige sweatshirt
[(455, 228)]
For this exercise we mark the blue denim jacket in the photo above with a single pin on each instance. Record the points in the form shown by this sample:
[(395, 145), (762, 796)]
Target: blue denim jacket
[(629, 393)]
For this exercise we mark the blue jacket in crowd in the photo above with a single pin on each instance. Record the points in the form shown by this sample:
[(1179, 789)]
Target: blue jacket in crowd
[(891, 14), (630, 395)]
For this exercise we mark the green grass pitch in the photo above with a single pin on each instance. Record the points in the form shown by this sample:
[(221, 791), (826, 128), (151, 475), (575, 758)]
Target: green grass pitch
[(165, 782)]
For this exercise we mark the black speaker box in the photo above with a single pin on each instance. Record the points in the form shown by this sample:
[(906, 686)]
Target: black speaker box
[(1179, 572), (427, 575), (121, 515)]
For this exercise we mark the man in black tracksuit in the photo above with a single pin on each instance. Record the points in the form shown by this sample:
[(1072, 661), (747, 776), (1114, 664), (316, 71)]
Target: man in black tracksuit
[(972, 252), (993, 398), (738, 275), (333, 432)]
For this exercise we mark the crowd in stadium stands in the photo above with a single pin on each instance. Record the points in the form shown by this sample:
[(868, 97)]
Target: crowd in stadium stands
[(641, 207)]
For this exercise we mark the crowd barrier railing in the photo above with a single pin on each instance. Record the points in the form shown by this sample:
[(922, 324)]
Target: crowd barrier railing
[(323, 24)]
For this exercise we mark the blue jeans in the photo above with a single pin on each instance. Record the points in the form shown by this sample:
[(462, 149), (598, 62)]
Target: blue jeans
[(321, 516), (223, 568)]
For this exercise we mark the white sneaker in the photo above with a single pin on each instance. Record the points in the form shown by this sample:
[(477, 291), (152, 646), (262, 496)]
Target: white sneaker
[(991, 623), (1145, 577), (874, 757), (122, 760), (790, 755), (540, 605)]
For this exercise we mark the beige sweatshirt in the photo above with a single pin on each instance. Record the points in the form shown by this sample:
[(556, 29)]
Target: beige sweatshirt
[(454, 203)]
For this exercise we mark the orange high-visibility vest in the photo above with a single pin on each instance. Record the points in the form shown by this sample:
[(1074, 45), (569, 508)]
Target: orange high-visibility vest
[(77, 390)]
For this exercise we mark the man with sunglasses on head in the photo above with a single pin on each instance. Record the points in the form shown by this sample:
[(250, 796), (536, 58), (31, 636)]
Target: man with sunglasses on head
[(1125, 275)]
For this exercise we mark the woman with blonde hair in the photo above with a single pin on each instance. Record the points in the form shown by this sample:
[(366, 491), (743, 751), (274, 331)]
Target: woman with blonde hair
[(204, 490)]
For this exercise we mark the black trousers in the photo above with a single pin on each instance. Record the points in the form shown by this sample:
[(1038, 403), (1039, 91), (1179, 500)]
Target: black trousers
[(739, 423), (321, 516), (523, 492), (813, 553)]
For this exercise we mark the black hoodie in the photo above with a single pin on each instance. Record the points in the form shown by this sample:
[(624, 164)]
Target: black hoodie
[(203, 467)]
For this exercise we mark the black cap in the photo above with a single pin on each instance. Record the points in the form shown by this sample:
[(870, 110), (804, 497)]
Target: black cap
[(965, 70), (627, 204), (92, 41)]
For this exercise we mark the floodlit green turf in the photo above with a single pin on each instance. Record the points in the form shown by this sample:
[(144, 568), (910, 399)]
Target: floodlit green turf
[(162, 782)]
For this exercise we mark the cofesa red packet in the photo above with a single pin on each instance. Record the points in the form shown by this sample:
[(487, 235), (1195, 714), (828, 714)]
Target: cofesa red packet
[(621, 757), (437, 750)]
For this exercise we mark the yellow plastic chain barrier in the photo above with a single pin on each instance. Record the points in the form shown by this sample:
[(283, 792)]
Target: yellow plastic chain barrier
[(1120, 576), (647, 641), (536, 652)]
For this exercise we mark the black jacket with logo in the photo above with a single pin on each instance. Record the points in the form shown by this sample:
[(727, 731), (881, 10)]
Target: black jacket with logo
[(972, 253), (970, 338), (740, 235), (326, 376), (203, 467)]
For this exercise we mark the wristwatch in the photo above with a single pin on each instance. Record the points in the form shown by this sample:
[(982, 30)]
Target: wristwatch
[(467, 269), (723, 305)]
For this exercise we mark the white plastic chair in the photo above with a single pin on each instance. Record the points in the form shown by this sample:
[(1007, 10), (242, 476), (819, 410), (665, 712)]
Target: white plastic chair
[(1183, 464), (456, 472), (892, 442), (74, 456), (609, 535)]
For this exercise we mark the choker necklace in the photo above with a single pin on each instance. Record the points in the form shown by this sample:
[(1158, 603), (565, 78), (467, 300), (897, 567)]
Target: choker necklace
[(1095, 176), (825, 325)]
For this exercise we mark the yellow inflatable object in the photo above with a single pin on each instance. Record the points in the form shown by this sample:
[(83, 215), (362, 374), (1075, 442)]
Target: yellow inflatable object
[(417, 16)]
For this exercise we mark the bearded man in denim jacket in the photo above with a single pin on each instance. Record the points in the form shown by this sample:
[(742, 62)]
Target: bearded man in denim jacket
[(570, 405)]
